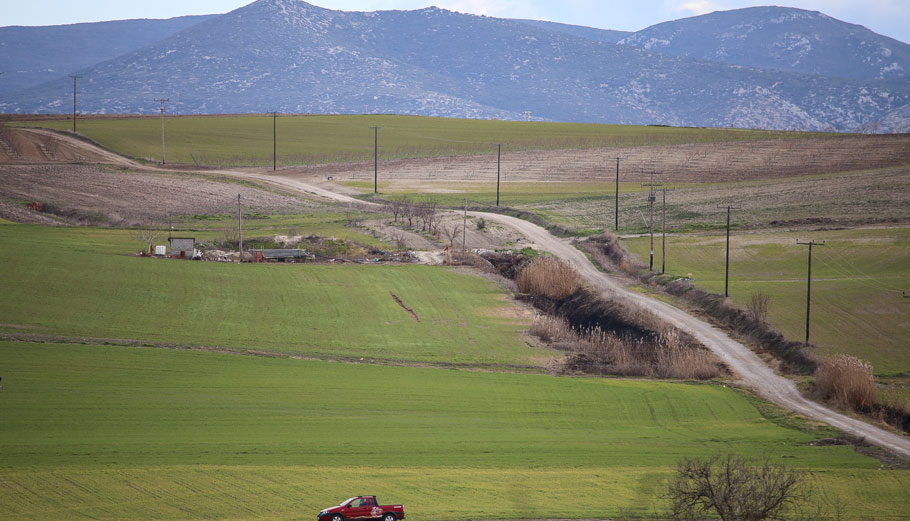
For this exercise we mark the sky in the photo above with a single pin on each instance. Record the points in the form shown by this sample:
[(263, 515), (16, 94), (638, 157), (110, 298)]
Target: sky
[(887, 17)]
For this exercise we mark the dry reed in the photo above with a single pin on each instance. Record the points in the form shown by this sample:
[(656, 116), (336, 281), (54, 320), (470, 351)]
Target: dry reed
[(848, 381), (548, 277)]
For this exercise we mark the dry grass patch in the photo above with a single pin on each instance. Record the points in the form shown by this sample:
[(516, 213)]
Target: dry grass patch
[(548, 277), (848, 381)]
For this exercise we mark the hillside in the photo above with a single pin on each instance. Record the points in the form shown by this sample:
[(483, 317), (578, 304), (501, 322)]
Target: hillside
[(780, 38), (290, 56), (34, 55)]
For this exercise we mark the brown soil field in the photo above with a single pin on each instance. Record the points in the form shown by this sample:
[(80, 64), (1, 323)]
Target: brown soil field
[(104, 194), (694, 163), (17, 146), (870, 197)]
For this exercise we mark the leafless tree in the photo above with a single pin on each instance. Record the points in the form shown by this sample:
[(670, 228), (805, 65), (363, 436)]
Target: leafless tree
[(401, 243), (734, 488), (452, 233), (758, 306), (147, 233)]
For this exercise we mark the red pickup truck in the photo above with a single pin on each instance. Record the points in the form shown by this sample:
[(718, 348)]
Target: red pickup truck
[(362, 507)]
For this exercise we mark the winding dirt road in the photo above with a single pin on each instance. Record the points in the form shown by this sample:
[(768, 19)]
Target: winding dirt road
[(752, 372)]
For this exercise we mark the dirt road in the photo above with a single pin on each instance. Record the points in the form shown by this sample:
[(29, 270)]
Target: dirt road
[(751, 370)]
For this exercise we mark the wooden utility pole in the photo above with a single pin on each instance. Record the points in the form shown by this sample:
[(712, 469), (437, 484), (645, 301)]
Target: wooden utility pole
[(464, 227), (498, 165), (810, 244), (375, 159), (663, 230), (618, 159), (274, 140), (727, 269), (74, 77), (240, 227), (651, 199), (161, 101)]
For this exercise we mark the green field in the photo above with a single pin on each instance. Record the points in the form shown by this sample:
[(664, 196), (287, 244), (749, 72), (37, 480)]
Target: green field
[(93, 432), (858, 276), (247, 140), (79, 282)]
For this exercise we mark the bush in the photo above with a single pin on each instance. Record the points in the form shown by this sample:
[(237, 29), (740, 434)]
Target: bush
[(848, 381), (548, 277), (734, 488)]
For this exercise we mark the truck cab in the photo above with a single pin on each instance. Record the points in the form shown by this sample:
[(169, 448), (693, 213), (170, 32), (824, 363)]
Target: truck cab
[(361, 508)]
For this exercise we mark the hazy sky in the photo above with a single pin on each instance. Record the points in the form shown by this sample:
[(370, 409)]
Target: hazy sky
[(888, 17)]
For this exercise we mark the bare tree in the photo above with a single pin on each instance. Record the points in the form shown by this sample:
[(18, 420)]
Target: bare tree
[(758, 306), (147, 233), (401, 244), (734, 488), (452, 233), (395, 207)]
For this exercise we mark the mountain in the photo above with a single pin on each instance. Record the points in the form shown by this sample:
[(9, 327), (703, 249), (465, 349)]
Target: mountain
[(780, 38), (600, 35), (33, 55), (290, 56)]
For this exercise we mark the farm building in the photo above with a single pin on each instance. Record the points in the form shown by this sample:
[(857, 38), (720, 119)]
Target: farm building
[(182, 247)]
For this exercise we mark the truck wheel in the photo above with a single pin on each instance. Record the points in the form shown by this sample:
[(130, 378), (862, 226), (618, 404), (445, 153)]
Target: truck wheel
[(388, 517), (337, 517)]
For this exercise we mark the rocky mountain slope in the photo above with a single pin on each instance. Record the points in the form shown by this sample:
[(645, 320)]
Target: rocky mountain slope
[(780, 38), (34, 55), (290, 56)]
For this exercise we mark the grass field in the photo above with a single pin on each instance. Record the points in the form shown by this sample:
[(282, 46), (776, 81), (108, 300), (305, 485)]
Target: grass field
[(247, 140), (80, 282), (857, 279), (839, 199), (138, 433)]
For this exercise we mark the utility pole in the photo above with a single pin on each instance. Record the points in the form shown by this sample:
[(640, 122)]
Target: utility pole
[(618, 159), (161, 101), (810, 244), (240, 227), (274, 140), (464, 227), (74, 77), (651, 199), (727, 270), (375, 159), (663, 230), (498, 165)]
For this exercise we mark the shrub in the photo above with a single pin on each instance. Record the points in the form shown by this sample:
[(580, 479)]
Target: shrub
[(734, 488), (548, 277), (758, 307), (848, 381), (551, 329)]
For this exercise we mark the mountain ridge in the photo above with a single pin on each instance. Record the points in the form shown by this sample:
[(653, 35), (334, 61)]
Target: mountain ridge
[(292, 56)]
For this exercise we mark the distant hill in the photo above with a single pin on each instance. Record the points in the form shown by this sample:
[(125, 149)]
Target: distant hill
[(33, 55), (780, 38), (291, 56), (600, 35)]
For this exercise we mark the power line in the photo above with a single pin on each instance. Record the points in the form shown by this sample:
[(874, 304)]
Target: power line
[(810, 244)]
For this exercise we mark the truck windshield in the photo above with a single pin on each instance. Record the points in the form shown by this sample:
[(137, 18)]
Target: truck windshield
[(348, 500)]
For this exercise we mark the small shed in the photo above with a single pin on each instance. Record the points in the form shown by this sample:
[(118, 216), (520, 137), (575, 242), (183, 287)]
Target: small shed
[(182, 247)]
